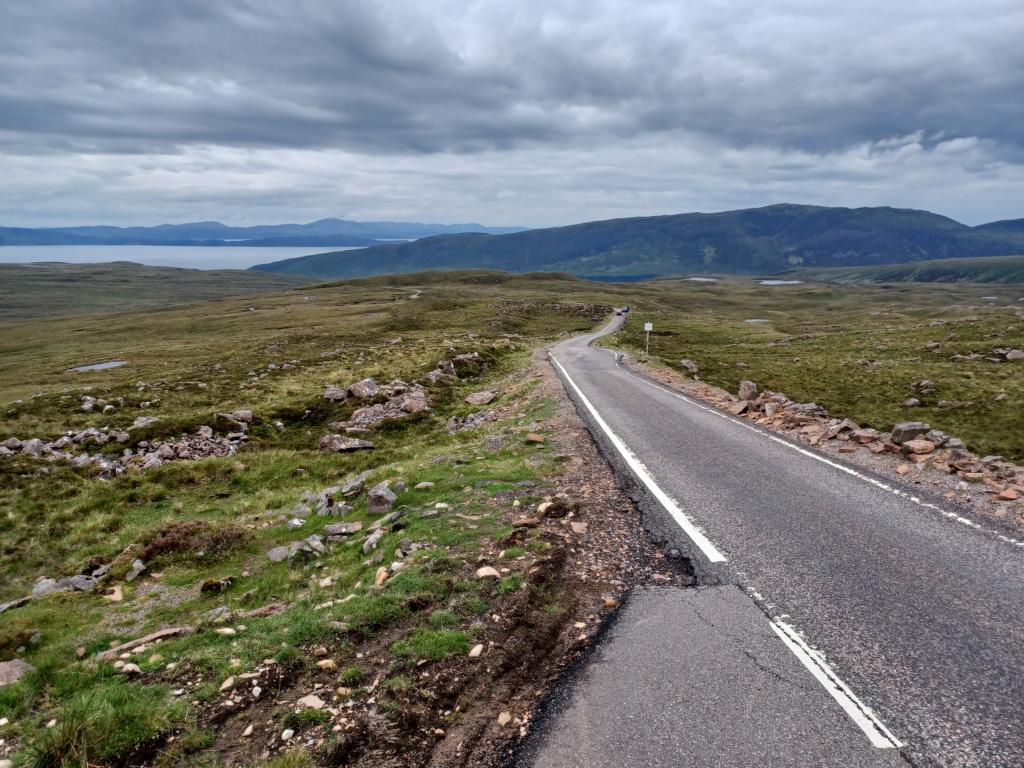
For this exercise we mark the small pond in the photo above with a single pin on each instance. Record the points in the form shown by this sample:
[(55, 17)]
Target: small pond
[(99, 366), (780, 282)]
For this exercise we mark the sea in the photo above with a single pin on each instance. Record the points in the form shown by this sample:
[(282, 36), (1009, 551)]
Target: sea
[(187, 256)]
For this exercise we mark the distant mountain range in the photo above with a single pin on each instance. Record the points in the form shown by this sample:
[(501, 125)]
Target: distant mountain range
[(765, 240), (326, 233)]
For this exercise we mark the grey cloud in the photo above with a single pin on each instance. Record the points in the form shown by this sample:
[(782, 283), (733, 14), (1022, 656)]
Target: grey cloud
[(386, 77)]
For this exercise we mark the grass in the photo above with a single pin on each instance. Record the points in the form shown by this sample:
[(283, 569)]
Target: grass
[(49, 289), (857, 350), (433, 644), (997, 269)]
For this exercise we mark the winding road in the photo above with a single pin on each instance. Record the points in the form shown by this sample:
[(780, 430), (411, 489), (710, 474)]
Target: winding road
[(910, 620)]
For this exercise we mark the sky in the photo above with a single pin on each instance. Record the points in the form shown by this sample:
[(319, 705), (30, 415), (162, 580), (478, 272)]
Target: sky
[(529, 113)]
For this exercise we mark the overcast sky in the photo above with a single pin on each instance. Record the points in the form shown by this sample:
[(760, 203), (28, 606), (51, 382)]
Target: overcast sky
[(532, 112)]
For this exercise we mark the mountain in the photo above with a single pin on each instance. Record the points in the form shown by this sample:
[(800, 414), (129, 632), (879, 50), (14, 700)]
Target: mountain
[(325, 233), (993, 269), (1008, 229), (752, 241)]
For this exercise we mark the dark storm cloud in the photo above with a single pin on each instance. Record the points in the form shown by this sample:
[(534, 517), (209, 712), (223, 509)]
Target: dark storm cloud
[(385, 77)]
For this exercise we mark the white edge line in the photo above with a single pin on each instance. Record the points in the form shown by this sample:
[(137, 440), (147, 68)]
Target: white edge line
[(879, 736), (817, 457), (710, 551)]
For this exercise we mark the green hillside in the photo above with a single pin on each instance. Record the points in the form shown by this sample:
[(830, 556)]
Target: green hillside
[(753, 241), (999, 269)]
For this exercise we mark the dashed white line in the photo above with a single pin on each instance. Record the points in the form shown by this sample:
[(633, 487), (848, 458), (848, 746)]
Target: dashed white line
[(702, 542), (856, 710)]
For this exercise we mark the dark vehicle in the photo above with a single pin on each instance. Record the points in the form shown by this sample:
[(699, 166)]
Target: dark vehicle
[(626, 308)]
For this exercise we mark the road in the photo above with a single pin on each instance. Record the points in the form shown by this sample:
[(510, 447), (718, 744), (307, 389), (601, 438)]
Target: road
[(921, 616)]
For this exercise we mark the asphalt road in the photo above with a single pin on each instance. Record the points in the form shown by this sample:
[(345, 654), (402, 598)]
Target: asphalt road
[(920, 615)]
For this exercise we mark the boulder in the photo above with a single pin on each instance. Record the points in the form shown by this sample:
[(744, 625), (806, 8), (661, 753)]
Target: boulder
[(480, 398), (364, 389), (355, 485), (689, 365), (33, 447), (747, 390), (1014, 354), (380, 499), (487, 572), (342, 444), (12, 671), (911, 402), (48, 586), (336, 394), (343, 529), (908, 430), (918, 446), (414, 402)]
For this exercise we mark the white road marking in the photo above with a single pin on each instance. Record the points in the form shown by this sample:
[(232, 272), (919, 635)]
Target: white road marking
[(860, 713), (818, 457), (710, 551)]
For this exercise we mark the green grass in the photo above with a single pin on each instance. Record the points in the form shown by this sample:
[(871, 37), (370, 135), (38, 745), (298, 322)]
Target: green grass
[(49, 289), (433, 645), (996, 269)]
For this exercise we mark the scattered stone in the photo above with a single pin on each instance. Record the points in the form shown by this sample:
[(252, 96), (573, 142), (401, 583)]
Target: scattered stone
[(364, 389), (137, 569), (382, 575), (689, 365), (494, 443), (480, 398), (476, 650), (327, 664), (903, 469), (908, 430), (354, 486), (372, 541), (227, 685), (336, 394), (287, 734), (131, 669), (918, 446), (152, 637), (115, 594), (343, 529), (312, 701), (533, 437), (504, 719), (1008, 494), (912, 402), (12, 671), (341, 444), (380, 498), (747, 390), (424, 485), (738, 407), (225, 631), (487, 572)]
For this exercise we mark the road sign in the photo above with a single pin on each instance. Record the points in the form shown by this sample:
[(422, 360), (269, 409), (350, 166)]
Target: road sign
[(648, 327)]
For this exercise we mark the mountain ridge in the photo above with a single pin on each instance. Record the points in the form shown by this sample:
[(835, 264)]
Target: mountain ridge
[(769, 239)]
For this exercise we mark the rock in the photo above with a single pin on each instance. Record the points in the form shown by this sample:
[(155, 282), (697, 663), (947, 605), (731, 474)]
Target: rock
[(287, 734), (382, 575), (312, 701), (12, 671), (414, 403), (131, 669), (47, 587), (1008, 494), (144, 421), (903, 469), (864, 435), (343, 529), (476, 650), (924, 386), (578, 527), (33, 447), (295, 523), (327, 664), (487, 572), (533, 437), (738, 407), (341, 444), (908, 430), (115, 594), (424, 485), (225, 631), (918, 446), (152, 637), (243, 415), (689, 365), (227, 685), (1014, 354), (747, 390), (355, 485), (504, 719), (380, 499), (336, 394), (372, 541), (364, 389), (137, 569), (480, 398), (278, 554), (493, 443), (16, 603)]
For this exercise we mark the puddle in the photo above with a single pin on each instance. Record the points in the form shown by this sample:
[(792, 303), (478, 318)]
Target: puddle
[(703, 279), (100, 366), (780, 282), (756, 321)]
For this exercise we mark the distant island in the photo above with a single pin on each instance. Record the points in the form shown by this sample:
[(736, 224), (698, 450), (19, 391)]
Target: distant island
[(324, 233), (768, 240)]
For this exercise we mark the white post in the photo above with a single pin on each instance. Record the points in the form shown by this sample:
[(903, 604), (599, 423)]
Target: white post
[(647, 349)]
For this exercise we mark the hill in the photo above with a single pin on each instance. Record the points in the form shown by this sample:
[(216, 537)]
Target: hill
[(758, 240), (1008, 229), (42, 289), (327, 233), (999, 269)]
